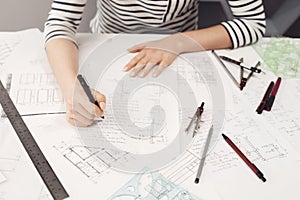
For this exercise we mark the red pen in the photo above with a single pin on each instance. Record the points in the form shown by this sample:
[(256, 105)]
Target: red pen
[(258, 173), (271, 99), (265, 99)]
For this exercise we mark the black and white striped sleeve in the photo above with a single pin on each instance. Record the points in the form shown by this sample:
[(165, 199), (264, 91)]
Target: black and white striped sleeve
[(64, 19), (249, 23)]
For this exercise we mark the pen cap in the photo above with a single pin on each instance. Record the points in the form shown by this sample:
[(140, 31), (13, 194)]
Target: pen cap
[(277, 84), (82, 80)]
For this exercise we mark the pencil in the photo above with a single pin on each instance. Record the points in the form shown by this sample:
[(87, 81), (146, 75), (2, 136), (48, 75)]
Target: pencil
[(226, 69), (205, 150)]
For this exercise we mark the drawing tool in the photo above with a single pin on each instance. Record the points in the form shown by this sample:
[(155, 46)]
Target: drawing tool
[(37, 157), (50, 113), (240, 63), (198, 114), (87, 90), (243, 80), (202, 159), (263, 102), (251, 73), (271, 99), (191, 122), (226, 69), (258, 173), (197, 117)]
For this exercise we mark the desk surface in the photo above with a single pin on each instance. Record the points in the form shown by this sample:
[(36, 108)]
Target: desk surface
[(270, 140)]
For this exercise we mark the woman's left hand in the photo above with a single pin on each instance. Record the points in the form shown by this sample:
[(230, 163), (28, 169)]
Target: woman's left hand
[(150, 55), (160, 53)]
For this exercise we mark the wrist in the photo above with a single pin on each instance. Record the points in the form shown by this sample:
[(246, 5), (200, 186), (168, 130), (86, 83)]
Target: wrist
[(184, 43), (67, 87)]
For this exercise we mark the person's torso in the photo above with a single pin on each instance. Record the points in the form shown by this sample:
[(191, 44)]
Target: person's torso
[(145, 16)]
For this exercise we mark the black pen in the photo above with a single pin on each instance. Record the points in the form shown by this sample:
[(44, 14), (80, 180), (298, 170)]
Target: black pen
[(87, 91), (253, 69)]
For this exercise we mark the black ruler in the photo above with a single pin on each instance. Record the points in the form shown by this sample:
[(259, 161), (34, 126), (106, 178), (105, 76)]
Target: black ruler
[(50, 179)]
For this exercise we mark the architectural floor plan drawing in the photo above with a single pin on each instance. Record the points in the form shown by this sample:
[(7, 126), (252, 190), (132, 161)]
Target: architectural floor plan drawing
[(146, 117), (92, 162), (35, 93)]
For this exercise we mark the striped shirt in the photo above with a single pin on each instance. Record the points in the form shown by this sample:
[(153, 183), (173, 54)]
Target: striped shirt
[(153, 16)]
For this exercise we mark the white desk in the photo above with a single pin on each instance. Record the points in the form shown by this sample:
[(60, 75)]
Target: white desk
[(270, 140)]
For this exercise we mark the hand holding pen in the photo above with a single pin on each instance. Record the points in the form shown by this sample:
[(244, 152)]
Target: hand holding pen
[(86, 104)]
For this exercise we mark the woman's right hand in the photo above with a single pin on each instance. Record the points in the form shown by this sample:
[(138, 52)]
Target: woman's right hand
[(80, 111)]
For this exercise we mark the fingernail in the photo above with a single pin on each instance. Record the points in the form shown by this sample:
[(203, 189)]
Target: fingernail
[(102, 105), (142, 75), (125, 68), (155, 75), (132, 74)]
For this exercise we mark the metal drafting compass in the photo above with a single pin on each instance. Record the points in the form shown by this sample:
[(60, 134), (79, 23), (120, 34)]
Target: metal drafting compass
[(243, 80), (197, 119)]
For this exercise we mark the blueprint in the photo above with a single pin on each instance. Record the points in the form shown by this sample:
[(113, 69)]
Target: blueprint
[(27, 74), (2, 178), (131, 154), (36, 93), (147, 117), (16, 167), (8, 43)]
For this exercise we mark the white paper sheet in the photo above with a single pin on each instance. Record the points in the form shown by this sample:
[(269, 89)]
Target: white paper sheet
[(2, 178), (17, 168), (36, 93), (264, 147), (263, 138)]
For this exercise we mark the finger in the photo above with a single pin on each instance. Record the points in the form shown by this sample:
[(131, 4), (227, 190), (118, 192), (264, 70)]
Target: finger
[(163, 64), (70, 118), (136, 48), (84, 101), (81, 119), (83, 111), (138, 68), (148, 68), (100, 98), (158, 70), (91, 108), (98, 111), (73, 122), (85, 107), (134, 61)]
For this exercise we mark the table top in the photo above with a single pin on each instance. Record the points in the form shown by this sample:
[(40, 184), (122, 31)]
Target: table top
[(270, 140)]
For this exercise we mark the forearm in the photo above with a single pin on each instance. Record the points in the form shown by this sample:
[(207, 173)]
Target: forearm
[(215, 37), (246, 28), (63, 58)]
